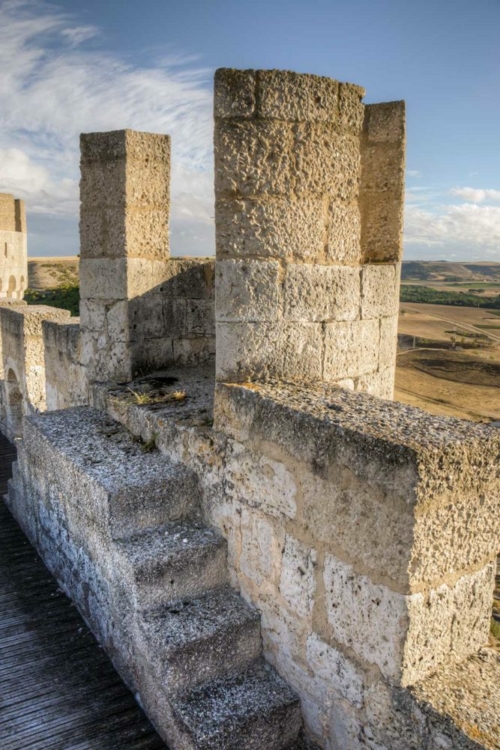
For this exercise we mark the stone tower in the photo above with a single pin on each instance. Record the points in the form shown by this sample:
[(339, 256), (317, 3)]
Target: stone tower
[(13, 248), (309, 187)]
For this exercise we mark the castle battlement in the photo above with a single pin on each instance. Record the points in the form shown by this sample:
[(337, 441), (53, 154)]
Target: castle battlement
[(272, 551)]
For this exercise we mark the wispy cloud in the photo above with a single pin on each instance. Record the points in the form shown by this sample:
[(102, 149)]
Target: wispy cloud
[(413, 173), (57, 82), (476, 195)]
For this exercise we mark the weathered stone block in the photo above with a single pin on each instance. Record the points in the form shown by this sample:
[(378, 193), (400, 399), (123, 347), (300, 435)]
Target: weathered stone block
[(253, 157), (334, 667), (147, 232), (321, 293), (298, 581), (248, 290), (344, 233), (326, 161), (406, 636), (379, 383), (275, 228), (261, 543), (234, 92), (190, 351), (285, 95), (261, 482), (388, 343), (382, 181), (103, 278), (385, 122), (248, 351), (380, 290), (381, 227), (351, 349), (351, 108)]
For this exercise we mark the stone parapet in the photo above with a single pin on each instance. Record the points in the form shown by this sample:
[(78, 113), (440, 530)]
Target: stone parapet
[(364, 532)]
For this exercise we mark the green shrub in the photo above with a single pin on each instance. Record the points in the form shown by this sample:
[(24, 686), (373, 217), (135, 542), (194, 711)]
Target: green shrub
[(66, 297)]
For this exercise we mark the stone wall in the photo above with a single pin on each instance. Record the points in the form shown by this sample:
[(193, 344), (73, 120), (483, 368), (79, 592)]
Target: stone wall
[(309, 190), (66, 382), (13, 248), (23, 388), (364, 532)]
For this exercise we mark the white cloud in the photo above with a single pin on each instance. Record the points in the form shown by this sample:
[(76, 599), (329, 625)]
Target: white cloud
[(465, 231), (413, 173), (476, 195), (54, 85)]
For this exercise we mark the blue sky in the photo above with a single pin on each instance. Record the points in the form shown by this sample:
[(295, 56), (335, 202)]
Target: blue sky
[(70, 67)]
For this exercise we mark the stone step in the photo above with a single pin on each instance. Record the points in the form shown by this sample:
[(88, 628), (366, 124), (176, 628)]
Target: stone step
[(251, 711), (172, 562), (104, 472), (196, 640)]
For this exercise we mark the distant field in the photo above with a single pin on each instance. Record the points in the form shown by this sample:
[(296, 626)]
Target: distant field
[(455, 368), (51, 273)]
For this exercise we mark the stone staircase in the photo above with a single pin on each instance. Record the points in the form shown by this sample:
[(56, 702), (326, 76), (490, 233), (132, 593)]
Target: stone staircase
[(191, 644)]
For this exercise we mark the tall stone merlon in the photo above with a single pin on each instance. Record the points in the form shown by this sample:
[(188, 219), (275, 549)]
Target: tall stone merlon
[(124, 236), (309, 187), (13, 248)]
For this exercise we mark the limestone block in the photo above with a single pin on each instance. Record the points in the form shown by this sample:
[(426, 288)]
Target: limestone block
[(153, 353), (359, 520), (200, 314), (117, 321), (187, 278), (321, 293), (285, 95), (145, 276), (234, 92), (382, 181), (93, 314), (380, 290), (190, 351), (247, 290), (147, 232), (382, 227), (385, 122), (388, 342), (103, 186), (146, 316), (261, 544), (383, 168), (270, 228), (118, 144), (174, 317), (103, 278), (351, 108), (344, 233), (262, 350), (450, 621), (326, 161), (402, 504), (297, 581), (261, 482), (334, 667), (406, 636), (379, 383), (351, 349), (253, 157)]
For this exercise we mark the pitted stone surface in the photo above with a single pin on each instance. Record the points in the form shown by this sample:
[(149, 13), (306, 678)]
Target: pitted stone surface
[(226, 714)]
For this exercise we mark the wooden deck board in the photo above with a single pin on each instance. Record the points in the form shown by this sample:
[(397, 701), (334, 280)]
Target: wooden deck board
[(58, 689)]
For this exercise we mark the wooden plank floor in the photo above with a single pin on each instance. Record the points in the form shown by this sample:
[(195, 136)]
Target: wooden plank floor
[(58, 689)]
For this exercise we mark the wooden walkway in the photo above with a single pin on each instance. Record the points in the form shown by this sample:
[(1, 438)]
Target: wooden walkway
[(58, 689)]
